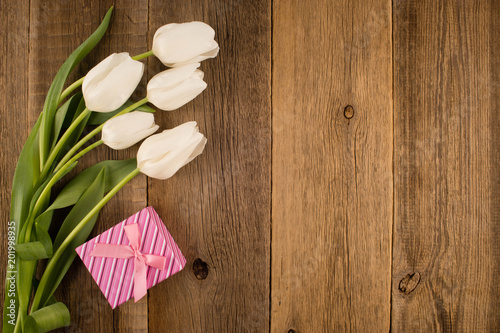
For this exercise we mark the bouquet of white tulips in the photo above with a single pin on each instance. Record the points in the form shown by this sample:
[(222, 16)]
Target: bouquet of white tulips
[(55, 145)]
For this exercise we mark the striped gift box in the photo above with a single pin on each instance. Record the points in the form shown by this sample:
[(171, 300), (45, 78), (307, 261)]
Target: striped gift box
[(115, 277)]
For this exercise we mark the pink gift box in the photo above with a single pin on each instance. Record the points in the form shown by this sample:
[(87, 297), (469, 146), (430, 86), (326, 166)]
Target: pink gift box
[(115, 276)]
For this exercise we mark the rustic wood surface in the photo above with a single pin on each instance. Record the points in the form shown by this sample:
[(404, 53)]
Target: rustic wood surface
[(446, 248), (332, 166), (350, 181)]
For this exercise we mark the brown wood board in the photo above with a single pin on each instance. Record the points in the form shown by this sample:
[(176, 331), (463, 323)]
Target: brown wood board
[(332, 166), (446, 122), (350, 180)]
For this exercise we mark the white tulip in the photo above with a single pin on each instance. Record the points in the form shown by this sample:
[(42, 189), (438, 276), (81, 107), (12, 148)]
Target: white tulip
[(109, 84), (171, 89), (179, 44), (126, 130), (161, 155)]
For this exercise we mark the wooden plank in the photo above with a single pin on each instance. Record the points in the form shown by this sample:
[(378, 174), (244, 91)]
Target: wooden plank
[(332, 166), (128, 33), (218, 207), (447, 190), (14, 18), (57, 28)]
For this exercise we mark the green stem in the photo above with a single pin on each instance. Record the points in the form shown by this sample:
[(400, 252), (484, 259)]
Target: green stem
[(48, 187), (52, 262), (95, 131), (41, 199), (26, 270), (70, 89), (61, 142), (19, 323), (80, 154), (143, 55)]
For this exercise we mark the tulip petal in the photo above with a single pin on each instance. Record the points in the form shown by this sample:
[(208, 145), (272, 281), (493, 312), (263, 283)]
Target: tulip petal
[(166, 166), (184, 43), (207, 55), (174, 98), (172, 77), (198, 149), (162, 155), (168, 140), (126, 130), (109, 84)]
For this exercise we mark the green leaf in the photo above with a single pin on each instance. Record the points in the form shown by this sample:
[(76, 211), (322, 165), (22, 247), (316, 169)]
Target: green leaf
[(145, 108), (40, 189), (25, 176), (42, 248), (51, 300), (115, 171), (43, 220), (75, 136), (52, 98), (28, 166), (98, 118), (88, 200), (85, 204), (43, 237), (64, 115), (25, 273), (32, 251), (35, 159), (47, 319)]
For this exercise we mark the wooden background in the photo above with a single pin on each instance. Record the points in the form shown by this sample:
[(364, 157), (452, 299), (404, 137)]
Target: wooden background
[(351, 177)]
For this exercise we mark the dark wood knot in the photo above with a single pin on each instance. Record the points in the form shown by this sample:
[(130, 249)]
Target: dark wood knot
[(409, 283), (349, 112), (200, 269), (292, 331)]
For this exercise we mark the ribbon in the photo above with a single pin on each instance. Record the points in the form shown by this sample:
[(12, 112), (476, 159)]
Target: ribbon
[(141, 260)]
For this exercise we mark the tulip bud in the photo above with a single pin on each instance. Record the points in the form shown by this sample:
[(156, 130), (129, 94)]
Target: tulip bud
[(179, 44), (126, 130), (161, 155), (109, 84), (171, 89)]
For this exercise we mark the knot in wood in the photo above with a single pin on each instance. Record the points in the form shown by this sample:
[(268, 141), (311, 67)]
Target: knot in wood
[(409, 283), (200, 269), (349, 112)]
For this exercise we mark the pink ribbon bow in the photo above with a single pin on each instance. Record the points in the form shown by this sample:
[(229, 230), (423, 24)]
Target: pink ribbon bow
[(141, 260)]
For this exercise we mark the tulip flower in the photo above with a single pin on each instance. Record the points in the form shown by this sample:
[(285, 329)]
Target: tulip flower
[(126, 130), (179, 44), (161, 155), (174, 87), (109, 84)]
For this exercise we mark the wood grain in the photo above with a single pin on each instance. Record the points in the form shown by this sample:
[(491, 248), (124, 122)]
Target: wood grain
[(218, 207), (446, 92), (14, 49), (384, 217), (332, 170)]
